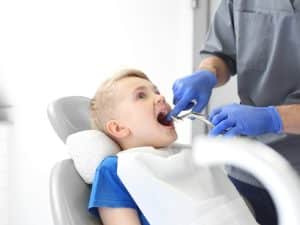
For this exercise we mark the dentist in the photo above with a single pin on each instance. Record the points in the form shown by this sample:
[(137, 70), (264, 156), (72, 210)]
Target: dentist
[(258, 41)]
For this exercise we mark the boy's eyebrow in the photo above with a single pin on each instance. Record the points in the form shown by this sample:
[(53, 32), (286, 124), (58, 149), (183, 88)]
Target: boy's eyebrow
[(145, 87)]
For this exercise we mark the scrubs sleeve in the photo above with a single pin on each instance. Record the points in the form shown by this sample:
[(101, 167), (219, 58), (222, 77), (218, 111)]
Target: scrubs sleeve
[(220, 39), (107, 189)]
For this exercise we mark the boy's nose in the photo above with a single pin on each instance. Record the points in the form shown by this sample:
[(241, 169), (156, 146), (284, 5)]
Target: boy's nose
[(160, 99)]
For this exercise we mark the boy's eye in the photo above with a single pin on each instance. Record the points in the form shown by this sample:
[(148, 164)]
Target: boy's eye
[(141, 95)]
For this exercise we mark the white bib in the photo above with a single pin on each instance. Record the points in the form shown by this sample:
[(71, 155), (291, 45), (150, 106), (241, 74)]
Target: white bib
[(171, 190)]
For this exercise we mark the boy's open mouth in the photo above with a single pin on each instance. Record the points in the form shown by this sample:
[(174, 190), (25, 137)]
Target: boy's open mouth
[(162, 119)]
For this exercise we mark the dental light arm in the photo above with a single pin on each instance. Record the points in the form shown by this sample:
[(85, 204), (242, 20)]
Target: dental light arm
[(269, 167)]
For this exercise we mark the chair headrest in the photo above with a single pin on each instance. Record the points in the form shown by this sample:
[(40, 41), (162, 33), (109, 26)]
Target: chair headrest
[(87, 149), (69, 115)]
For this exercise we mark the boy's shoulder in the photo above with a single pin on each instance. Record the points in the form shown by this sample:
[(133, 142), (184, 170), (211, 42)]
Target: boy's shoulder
[(109, 163)]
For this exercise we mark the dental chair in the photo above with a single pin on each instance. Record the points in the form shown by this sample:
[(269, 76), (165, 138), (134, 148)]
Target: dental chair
[(69, 194)]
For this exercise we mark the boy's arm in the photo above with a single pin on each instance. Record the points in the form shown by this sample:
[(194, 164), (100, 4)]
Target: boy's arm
[(119, 216)]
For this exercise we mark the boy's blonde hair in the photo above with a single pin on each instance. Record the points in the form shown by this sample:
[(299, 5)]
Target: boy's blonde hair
[(103, 103)]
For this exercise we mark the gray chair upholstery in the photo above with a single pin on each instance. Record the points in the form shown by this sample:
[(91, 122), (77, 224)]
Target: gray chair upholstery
[(69, 196), (69, 115), (68, 193)]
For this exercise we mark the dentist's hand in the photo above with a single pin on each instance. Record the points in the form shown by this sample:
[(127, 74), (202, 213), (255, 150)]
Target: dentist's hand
[(236, 119), (195, 88)]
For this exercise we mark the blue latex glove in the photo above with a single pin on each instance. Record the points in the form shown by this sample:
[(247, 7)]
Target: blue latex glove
[(236, 119), (196, 87)]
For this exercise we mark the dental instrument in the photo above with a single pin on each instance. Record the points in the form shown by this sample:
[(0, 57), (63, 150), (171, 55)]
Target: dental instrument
[(193, 115)]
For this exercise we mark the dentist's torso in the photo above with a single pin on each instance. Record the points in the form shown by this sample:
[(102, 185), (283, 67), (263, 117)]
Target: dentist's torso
[(267, 37)]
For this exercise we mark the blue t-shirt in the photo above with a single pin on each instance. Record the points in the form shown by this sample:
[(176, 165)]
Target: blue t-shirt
[(109, 191)]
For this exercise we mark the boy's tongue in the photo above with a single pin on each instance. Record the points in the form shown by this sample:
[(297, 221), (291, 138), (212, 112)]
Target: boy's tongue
[(162, 119)]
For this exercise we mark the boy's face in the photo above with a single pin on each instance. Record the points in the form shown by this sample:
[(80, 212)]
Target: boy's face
[(142, 110)]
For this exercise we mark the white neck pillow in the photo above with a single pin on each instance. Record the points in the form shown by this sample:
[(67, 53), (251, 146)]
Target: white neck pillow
[(87, 149)]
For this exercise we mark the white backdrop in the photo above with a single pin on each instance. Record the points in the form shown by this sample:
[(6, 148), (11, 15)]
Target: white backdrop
[(50, 49)]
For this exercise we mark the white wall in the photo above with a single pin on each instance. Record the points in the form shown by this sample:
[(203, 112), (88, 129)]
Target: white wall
[(50, 49), (5, 135)]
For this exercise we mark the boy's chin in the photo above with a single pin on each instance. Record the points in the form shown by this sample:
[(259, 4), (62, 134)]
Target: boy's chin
[(167, 142), (175, 138)]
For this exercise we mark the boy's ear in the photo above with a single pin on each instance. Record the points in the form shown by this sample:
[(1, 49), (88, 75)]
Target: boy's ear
[(116, 129)]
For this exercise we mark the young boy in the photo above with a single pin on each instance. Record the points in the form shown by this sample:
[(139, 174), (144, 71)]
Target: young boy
[(129, 109)]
